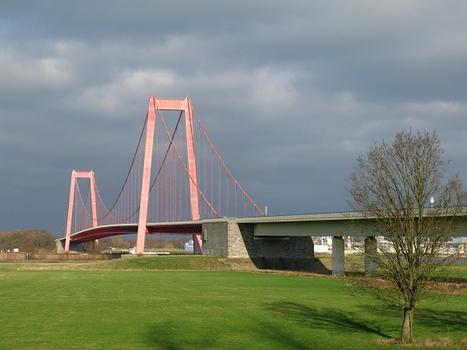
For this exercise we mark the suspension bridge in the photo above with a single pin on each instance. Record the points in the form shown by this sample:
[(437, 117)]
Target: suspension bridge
[(176, 178), (178, 183)]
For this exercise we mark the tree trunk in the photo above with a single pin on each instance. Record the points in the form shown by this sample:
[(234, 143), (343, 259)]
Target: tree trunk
[(407, 330)]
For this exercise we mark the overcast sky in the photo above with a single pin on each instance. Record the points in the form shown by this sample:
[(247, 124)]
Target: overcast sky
[(291, 92)]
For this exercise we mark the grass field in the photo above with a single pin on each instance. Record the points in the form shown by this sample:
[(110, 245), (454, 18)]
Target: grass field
[(126, 305)]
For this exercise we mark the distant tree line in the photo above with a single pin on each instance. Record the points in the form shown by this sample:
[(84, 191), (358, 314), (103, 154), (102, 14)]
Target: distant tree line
[(31, 241), (42, 241)]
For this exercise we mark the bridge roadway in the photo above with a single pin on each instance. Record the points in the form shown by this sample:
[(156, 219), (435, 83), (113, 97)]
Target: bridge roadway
[(284, 237)]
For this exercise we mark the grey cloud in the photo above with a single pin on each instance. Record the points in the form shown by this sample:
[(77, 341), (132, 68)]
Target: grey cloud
[(290, 92)]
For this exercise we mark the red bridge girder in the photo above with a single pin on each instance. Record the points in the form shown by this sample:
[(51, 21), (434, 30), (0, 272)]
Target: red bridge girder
[(116, 230)]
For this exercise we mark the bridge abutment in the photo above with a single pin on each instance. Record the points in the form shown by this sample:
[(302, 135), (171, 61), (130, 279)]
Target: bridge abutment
[(60, 245), (233, 240)]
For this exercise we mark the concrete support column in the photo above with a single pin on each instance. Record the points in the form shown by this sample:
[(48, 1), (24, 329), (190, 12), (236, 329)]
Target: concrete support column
[(337, 256), (371, 250), (60, 246)]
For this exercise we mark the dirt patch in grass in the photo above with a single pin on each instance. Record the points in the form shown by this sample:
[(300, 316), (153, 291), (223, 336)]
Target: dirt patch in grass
[(452, 288), (427, 343)]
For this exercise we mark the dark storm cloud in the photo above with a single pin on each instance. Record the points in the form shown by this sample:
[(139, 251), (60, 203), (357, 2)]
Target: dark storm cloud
[(290, 92)]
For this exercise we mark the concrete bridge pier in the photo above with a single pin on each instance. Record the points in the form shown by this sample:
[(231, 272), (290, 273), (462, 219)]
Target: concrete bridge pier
[(338, 256), (60, 245), (371, 251)]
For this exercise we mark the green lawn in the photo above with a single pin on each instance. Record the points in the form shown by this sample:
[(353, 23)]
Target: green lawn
[(74, 308), (455, 270)]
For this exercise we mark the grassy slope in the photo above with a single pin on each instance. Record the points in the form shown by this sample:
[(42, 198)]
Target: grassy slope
[(132, 263), (168, 263), (191, 310)]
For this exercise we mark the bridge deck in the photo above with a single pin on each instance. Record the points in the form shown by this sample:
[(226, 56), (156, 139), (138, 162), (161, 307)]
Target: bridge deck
[(313, 224)]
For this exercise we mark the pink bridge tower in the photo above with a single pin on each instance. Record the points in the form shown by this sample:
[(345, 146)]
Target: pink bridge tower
[(75, 175), (156, 104)]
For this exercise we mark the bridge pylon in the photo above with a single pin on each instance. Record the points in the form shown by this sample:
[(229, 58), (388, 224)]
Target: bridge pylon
[(184, 106), (75, 175)]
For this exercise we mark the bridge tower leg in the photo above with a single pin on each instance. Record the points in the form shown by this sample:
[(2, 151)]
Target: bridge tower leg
[(145, 182), (190, 142), (173, 105), (71, 200), (92, 190)]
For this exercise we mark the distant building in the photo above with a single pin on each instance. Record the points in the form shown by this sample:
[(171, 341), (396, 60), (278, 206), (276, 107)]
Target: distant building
[(322, 244), (189, 246), (13, 250)]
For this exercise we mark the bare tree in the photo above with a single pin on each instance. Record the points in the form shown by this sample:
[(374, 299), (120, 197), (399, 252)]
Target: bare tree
[(393, 184)]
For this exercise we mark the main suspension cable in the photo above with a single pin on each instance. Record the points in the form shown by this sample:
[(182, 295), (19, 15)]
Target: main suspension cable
[(129, 171)]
